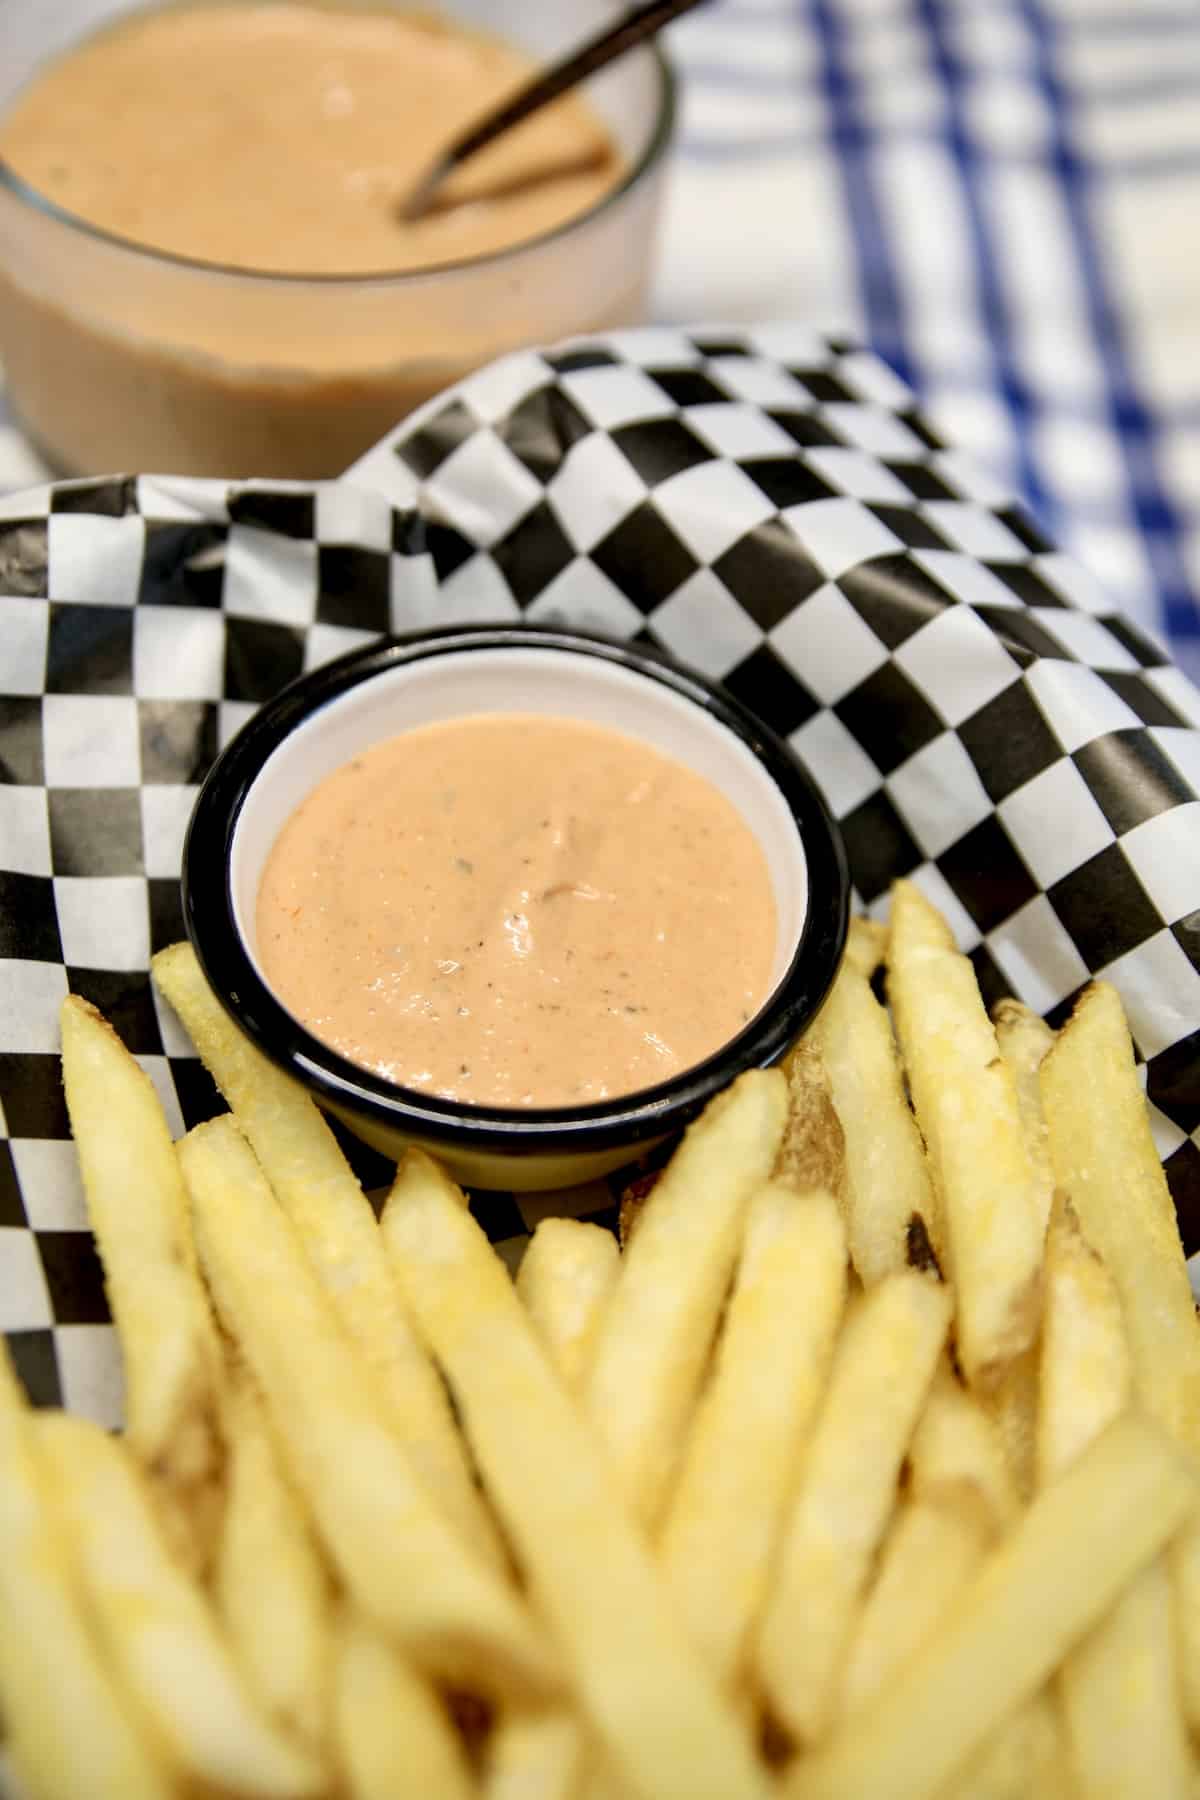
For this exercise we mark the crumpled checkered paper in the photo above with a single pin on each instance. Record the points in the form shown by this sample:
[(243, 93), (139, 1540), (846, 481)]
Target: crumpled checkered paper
[(765, 505)]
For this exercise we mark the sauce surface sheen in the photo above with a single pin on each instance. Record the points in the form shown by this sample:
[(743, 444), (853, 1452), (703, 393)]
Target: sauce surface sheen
[(518, 910)]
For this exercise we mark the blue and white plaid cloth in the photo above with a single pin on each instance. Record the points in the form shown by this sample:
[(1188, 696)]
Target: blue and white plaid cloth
[(1003, 197)]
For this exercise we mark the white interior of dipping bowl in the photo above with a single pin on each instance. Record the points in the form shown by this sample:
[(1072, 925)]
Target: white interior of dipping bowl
[(559, 683)]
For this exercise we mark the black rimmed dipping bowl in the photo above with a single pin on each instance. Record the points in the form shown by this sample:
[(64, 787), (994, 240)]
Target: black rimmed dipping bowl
[(321, 721)]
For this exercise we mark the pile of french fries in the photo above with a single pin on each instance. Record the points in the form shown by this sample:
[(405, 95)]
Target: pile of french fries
[(867, 1466)]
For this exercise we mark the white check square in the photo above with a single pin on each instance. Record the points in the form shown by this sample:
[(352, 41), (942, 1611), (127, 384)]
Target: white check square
[(1055, 823), (91, 740), (104, 921)]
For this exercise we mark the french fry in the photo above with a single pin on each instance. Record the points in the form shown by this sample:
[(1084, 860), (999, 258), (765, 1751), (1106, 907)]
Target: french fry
[(1023, 1759), (566, 1275), (535, 1756), (1024, 1039), (1135, 1491), (1104, 1159), (746, 1440), (156, 1625), (138, 1211), (1120, 1686), (399, 1558), (966, 1107), (71, 1728), (394, 1735), (882, 1371), (813, 1151), (960, 1497), (659, 1716), (270, 1582), (887, 1178), (317, 1189), (866, 945), (661, 1316)]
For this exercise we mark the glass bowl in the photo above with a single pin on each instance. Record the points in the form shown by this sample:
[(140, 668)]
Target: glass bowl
[(328, 717), (122, 358)]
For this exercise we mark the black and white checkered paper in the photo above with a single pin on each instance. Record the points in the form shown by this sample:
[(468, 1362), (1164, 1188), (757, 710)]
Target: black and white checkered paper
[(765, 505)]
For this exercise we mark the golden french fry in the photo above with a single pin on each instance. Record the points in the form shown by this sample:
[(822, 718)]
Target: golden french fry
[(745, 1443), (399, 1558), (813, 1151), (887, 1178), (138, 1211), (1023, 1759), (966, 1107), (1120, 1686), (566, 1275), (866, 945), (661, 1316), (956, 1452), (882, 1370), (1135, 1491), (394, 1735), (71, 1728), (659, 1716), (157, 1626), (1104, 1159), (535, 1756), (317, 1190), (270, 1582)]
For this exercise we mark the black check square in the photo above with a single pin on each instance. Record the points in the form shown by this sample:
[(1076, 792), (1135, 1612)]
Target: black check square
[(910, 526), (1009, 741), (570, 362), (714, 347), (542, 429), (21, 754), (1023, 635), (688, 387), (31, 1094), (894, 596), (788, 481), (643, 557), (23, 559), (1025, 529), (1186, 932), (920, 428), (197, 1093), (824, 387), (447, 548), (28, 923), (260, 658), (183, 563), (1173, 1084), (1136, 642), (90, 650), (879, 846), (354, 587), (809, 430), (890, 717), (1026, 583), (994, 985), (178, 741), (126, 999), (1182, 1170), (922, 481), (114, 498), (426, 450), (533, 553), (660, 448), (1140, 697), (165, 906), (95, 831), (12, 1209), (74, 1277), (1129, 778), (279, 510), (779, 698), (987, 874), (36, 1366), (769, 573), (498, 1215), (1125, 919)]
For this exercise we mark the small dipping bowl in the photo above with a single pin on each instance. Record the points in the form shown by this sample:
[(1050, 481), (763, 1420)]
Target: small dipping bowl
[(321, 721), (122, 357)]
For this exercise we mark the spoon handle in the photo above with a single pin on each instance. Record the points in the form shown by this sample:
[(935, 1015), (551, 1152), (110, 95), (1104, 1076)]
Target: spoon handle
[(629, 30)]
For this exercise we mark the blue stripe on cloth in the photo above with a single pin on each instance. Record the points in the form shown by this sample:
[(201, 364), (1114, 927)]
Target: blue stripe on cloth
[(1128, 416), (1017, 393), (851, 139)]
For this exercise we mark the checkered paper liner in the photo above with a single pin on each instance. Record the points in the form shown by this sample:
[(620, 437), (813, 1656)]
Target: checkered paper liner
[(765, 505)]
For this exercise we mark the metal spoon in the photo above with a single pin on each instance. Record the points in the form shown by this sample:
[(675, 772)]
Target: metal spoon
[(632, 29)]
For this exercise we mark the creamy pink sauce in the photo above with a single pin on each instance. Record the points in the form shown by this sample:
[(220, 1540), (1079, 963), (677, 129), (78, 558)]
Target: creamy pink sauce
[(518, 911)]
